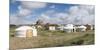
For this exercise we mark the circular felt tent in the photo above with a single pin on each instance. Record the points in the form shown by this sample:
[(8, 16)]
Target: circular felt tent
[(25, 31), (82, 28), (69, 28)]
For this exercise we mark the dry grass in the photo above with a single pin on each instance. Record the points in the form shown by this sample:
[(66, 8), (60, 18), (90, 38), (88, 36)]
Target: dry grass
[(47, 38)]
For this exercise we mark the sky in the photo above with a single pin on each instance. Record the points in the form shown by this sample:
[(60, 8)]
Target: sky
[(28, 12)]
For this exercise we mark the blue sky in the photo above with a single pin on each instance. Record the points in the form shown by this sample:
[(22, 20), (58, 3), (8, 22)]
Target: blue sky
[(28, 12), (58, 7)]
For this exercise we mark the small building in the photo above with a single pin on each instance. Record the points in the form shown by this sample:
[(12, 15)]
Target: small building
[(52, 28), (26, 31)]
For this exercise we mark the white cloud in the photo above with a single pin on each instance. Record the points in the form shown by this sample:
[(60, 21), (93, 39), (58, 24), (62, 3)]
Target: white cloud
[(19, 20), (32, 5), (13, 19), (25, 9), (81, 14), (23, 12), (61, 15), (54, 18)]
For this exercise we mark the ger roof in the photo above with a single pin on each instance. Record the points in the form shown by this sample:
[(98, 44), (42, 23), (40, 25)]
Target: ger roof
[(24, 28), (82, 26)]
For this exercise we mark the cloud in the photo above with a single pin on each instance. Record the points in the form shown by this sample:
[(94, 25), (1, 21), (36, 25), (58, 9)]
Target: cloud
[(25, 9), (22, 12), (20, 16), (33, 5), (53, 17), (13, 19), (19, 20), (80, 14)]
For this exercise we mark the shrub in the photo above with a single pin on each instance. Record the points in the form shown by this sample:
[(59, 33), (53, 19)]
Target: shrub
[(78, 42), (12, 35)]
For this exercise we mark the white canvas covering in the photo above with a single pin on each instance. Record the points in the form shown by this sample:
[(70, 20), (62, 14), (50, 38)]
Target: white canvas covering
[(69, 28), (82, 28), (21, 31), (24, 28)]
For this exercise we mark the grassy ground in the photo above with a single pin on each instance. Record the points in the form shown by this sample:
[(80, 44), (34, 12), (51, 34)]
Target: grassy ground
[(47, 38)]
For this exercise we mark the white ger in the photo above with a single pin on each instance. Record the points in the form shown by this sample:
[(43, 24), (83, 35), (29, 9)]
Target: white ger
[(22, 31), (82, 28), (69, 28)]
